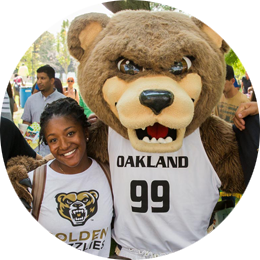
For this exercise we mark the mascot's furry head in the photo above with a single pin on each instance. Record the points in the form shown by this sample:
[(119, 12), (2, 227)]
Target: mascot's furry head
[(154, 77)]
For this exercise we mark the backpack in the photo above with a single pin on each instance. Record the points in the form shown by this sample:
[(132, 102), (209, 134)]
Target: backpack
[(39, 180)]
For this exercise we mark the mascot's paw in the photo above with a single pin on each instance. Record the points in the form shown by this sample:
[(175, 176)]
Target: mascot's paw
[(17, 169), (116, 257)]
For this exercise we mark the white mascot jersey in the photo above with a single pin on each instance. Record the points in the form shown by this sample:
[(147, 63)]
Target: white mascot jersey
[(163, 202)]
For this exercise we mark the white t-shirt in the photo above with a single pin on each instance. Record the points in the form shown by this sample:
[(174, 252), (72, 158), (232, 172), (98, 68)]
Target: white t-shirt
[(163, 202), (78, 208)]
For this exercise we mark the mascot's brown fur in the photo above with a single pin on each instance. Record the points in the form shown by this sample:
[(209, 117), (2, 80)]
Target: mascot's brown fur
[(17, 169), (154, 44), (144, 71)]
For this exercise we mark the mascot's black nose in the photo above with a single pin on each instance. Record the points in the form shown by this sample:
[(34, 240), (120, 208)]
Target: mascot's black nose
[(156, 100)]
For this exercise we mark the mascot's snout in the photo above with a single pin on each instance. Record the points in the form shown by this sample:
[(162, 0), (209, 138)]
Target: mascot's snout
[(156, 100)]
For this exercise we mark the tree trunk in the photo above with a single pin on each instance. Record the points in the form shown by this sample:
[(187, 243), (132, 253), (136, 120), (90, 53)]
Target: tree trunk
[(117, 6)]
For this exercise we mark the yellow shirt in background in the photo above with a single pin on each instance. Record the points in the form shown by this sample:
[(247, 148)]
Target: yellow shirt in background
[(227, 107)]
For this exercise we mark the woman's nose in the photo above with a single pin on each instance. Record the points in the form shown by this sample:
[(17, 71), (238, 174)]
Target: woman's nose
[(63, 144)]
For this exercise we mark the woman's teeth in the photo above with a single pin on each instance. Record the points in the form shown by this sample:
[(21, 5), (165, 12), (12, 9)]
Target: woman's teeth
[(69, 153)]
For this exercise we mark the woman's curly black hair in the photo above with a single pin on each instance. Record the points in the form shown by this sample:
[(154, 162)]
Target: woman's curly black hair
[(62, 107)]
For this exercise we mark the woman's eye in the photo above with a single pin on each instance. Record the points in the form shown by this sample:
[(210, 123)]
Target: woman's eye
[(128, 67), (71, 133), (180, 67), (52, 140)]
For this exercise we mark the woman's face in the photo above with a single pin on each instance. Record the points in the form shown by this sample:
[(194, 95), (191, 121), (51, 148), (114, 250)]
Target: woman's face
[(67, 141), (70, 81)]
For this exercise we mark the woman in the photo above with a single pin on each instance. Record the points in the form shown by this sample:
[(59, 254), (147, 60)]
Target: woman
[(76, 195), (70, 91)]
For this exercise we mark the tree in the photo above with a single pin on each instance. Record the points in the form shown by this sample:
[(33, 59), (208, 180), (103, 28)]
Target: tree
[(181, 5), (39, 53), (63, 55), (232, 60), (22, 54), (170, 5), (117, 6)]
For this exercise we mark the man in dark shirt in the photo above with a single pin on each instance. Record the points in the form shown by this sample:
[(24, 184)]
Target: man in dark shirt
[(246, 83), (249, 151), (13, 143)]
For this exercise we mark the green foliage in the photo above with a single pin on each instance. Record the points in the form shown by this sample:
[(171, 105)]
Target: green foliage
[(170, 5), (188, 6), (39, 53), (232, 60), (116, 6), (22, 54), (63, 55)]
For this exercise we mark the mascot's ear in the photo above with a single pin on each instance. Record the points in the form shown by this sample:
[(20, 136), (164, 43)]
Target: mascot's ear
[(216, 26), (83, 31)]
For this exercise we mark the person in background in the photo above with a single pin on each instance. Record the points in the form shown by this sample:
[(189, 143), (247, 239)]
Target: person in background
[(87, 110), (247, 125), (35, 88), (228, 104), (231, 98), (18, 82), (256, 92), (70, 91), (246, 83), (13, 105), (13, 142), (6, 63), (23, 72), (58, 85), (35, 104)]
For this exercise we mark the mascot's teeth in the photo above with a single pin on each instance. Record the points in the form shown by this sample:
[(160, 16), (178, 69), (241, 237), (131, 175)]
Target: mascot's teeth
[(154, 140), (69, 153), (162, 141), (168, 139), (146, 139), (159, 141)]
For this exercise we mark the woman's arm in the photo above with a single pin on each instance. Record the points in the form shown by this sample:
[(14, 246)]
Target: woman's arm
[(16, 245)]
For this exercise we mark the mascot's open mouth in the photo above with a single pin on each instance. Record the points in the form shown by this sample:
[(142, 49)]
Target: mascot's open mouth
[(78, 214), (157, 134)]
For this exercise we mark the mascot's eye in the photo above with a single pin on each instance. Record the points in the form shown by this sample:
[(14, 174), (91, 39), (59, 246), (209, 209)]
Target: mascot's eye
[(181, 66), (128, 67), (67, 201), (85, 200)]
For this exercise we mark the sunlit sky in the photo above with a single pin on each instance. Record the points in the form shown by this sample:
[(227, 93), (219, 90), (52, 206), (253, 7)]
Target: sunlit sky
[(23, 15)]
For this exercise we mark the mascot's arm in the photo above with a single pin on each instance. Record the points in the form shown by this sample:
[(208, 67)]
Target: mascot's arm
[(17, 169), (221, 147), (97, 145)]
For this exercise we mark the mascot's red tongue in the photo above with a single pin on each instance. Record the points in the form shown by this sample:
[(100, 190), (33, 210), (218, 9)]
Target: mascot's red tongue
[(157, 131)]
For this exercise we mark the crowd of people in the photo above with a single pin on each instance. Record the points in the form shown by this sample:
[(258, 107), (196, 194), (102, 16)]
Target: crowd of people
[(64, 120)]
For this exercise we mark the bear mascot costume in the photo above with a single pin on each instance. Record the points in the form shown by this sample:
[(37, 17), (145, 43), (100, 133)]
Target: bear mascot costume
[(153, 79)]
